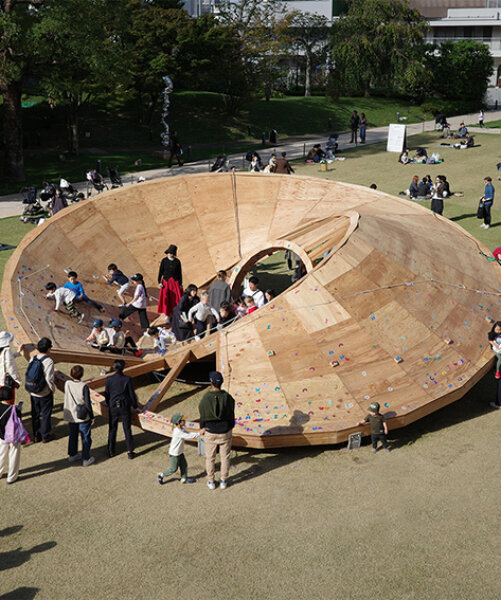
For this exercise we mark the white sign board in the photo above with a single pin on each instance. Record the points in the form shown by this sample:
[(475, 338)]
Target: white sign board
[(397, 138)]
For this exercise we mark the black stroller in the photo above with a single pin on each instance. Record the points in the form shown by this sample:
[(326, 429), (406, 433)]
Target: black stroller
[(220, 164), (95, 181), (34, 209), (115, 178)]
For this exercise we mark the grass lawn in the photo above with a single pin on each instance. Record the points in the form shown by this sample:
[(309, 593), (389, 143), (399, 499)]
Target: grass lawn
[(308, 523)]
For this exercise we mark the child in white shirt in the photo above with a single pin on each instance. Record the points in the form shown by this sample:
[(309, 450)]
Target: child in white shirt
[(138, 302), (66, 297), (162, 337), (176, 450), (201, 313), (98, 336)]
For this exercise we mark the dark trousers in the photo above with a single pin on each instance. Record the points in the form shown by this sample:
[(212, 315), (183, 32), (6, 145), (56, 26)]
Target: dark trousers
[(487, 212), (353, 135), (379, 437), (93, 303), (200, 327), (84, 430), (117, 413), (127, 311), (175, 154), (41, 406), (129, 345)]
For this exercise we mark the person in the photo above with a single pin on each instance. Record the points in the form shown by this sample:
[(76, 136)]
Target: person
[(77, 394), (250, 304), (462, 131), (181, 325), (447, 187), (437, 199), (240, 309), (58, 202), (217, 419), (494, 338), (254, 166), (481, 118), (98, 337), (413, 187), (118, 341), (170, 280), (253, 290), (42, 401), (283, 167), (487, 201), (219, 291), (404, 157), (421, 155), (175, 149), (162, 337), (121, 399), (227, 315), (9, 375), (176, 450), (363, 128), (423, 189), (373, 186), (269, 295), (379, 427), (10, 454), (299, 272), (272, 163), (354, 124), (80, 296), (465, 143), (138, 302), (200, 315), (66, 297), (116, 276)]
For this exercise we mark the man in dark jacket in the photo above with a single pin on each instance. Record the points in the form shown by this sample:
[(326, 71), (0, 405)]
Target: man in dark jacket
[(283, 166), (175, 149), (354, 123), (217, 419), (121, 399)]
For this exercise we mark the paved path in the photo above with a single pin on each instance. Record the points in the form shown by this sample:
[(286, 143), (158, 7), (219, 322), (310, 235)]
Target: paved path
[(12, 205)]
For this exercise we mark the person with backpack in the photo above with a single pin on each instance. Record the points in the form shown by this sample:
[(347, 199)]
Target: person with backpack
[(12, 433), (40, 384), (78, 413)]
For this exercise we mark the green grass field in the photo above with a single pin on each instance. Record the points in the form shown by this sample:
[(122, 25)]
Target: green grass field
[(321, 523)]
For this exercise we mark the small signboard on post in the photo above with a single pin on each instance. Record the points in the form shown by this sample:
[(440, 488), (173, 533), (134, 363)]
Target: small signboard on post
[(397, 138)]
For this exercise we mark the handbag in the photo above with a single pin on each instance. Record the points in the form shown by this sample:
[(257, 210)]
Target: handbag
[(15, 433), (82, 412), (480, 210), (7, 389), (184, 324)]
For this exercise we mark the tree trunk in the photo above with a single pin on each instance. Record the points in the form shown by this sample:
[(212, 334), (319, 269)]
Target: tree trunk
[(367, 88), (72, 131), (307, 74), (13, 132)]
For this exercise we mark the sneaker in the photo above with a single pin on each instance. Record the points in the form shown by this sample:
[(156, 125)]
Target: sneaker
[(121, 305), (374, 450), (494, 405), (131, 455), (189, 480), (497, 375), (139, 353), (160, 478), (197, 338), (90, 461), (222, 484), (211, 485), (81, 317), (75, 457), (486, 226)]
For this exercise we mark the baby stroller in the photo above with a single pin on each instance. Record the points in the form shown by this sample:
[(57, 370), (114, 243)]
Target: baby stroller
[(95, 181), (48, 191), (69, 192), (332, 147), (220, 164), (34, 209), (114, 175)]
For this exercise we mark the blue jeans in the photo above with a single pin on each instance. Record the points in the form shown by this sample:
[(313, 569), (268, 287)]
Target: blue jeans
[(84, 429), (361, 133), (487, 212)]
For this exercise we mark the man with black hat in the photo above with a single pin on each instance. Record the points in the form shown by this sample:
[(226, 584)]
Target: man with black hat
[(170, 280), (217, 419)]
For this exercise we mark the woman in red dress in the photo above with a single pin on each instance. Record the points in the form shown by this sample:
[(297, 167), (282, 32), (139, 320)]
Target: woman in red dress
[(170, 279)]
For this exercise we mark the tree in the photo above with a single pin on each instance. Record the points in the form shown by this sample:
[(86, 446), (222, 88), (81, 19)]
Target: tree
[(460, 70), (17, 19), (376, 43), (308, 34)]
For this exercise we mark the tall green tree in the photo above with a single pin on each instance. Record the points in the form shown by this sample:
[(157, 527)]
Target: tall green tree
[(377, 43), (17, 20)]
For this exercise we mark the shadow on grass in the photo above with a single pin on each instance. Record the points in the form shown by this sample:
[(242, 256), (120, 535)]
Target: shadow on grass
[(463, 216), (17, 557), (21, 593), (10, 530)]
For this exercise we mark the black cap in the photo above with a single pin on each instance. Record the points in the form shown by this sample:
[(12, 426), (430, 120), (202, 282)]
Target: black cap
[(171, 250), (216, 378), (137, 277)]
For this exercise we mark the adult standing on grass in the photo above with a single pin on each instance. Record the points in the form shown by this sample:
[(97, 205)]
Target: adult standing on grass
[(120, 398), (9, 375), (363, 128), (79, 415), (217, 419), (437, 199), (39, 382), (354, 124), (487, 201), (170, 280), (10, 450)]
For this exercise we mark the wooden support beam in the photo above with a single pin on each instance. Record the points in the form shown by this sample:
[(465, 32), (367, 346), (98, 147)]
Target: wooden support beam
[(176, 367), (91, 358), (133, 371)]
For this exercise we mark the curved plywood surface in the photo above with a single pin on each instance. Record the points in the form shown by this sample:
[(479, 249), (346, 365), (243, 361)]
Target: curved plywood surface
[(394, 307)]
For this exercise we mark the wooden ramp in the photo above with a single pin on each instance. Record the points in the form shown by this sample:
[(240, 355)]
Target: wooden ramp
[(386, 312)]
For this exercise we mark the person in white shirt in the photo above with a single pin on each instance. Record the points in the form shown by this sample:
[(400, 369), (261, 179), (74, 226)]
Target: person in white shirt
[(138, 302), (118, 341), (98, 336), (201, 313), (66, 297), (176, 450), (252, 290), (162, 337), (8, 368), (42, 402)]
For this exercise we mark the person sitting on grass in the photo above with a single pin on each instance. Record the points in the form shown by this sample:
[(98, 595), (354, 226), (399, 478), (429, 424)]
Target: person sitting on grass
[(462, 132), (379, 427), (413, 190), (176, 450), (201, 313), (98, 336), (66, 297), (465, 143), (80, 296), (404, 157), (423, 188)]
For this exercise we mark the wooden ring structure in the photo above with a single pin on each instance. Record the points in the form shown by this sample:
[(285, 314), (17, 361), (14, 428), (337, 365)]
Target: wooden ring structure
[(388, 311)]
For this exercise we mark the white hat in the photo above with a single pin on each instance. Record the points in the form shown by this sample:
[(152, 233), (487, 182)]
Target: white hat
[(5, 338)]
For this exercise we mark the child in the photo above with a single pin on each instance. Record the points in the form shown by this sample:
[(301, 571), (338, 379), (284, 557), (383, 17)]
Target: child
[(200, 314), (162, 336), (241, 309), (75, 286), (66, 296), (379, 428), (176, 450), (98, 336), (269, 295), (495, 342), (250, 304), (138, 302), (116, 276), (119, 342), (227, 315)]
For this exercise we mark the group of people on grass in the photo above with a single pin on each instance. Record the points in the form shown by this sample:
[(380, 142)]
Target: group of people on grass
[(275, 165)]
